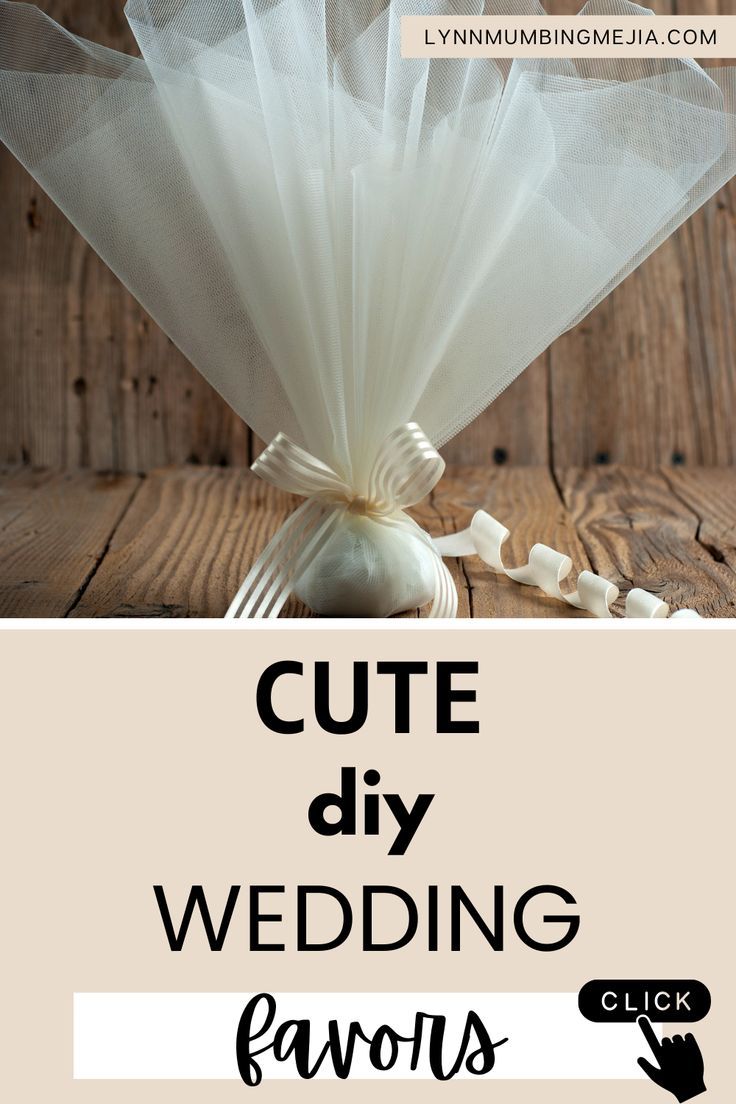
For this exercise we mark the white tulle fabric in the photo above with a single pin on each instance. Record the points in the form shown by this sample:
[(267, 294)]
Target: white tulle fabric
[(343, 241)]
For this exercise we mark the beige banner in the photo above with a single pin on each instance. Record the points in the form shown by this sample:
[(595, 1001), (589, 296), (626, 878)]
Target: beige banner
[(137, 758), (561, 36)]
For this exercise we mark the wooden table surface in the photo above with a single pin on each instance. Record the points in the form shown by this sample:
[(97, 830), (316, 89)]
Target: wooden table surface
[(178, 542)]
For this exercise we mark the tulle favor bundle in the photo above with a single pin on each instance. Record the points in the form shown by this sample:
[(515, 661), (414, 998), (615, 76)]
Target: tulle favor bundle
[(358, 251)]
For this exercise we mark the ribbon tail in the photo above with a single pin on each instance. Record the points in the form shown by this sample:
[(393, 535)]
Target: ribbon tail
[(455, 545), (267, 586), (445, 599), (547, 569)]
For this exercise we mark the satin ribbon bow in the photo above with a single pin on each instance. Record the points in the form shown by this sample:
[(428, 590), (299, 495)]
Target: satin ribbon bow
[(405, 471)]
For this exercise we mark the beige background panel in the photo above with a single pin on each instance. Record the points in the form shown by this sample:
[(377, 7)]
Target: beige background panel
[(137, 757)]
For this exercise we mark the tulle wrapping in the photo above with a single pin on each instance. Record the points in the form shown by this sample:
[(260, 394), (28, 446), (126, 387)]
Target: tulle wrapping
[(343, 241), (368, 569)]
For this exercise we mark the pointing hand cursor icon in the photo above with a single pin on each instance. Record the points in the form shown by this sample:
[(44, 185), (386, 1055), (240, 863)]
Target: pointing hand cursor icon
[(680, 1068)]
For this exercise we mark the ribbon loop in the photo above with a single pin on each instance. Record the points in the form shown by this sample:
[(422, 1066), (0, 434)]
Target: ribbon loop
[(291, 468), (406, 469)]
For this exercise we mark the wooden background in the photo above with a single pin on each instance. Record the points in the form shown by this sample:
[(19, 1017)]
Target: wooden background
[(88, 381)]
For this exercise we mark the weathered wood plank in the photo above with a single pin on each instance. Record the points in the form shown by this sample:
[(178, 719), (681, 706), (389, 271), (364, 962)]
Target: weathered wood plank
[(527, 502), (711, 495), (186, 544), (647, 378), (637, 533), (86, 378), (54, 530), (179, 542)]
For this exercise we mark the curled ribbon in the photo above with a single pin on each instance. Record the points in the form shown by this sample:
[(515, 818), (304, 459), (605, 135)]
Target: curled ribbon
[(547, 568), (406, 469)]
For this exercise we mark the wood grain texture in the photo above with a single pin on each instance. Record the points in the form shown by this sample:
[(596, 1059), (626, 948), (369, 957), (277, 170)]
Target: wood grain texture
[(638, 533), (185, 546), (711, 495), (178, 542), (54, 532), (87, 380)]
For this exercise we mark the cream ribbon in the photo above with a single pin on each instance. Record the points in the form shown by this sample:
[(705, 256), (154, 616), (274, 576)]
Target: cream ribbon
[(406, 469), (547, 568)]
